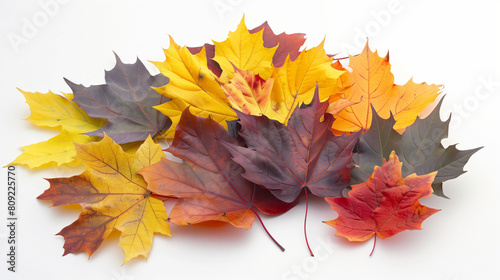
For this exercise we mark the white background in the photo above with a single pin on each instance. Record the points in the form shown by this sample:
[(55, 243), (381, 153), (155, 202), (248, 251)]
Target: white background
[(442, 42)]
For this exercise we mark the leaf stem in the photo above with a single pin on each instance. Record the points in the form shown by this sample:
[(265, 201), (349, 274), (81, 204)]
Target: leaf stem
[(305, 223), (269, 234), (374, 243)]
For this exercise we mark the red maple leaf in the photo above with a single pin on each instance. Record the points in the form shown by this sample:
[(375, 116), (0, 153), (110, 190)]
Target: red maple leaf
[(384, 205)]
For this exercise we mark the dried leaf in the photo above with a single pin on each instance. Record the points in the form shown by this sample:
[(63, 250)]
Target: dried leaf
[(56, 151), (244, 51), (384, 205), (59, 112), (419, 148), (304, 154), (113, 196), (296, 81), (191, 85), (371, 85), (126, 101), (250, 94)]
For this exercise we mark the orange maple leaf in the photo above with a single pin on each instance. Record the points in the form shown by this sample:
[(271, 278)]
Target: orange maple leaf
[(371, 83), (384, 205)]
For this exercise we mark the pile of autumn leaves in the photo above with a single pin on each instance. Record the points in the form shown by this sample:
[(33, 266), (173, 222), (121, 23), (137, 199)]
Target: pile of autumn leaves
[(257, 125)]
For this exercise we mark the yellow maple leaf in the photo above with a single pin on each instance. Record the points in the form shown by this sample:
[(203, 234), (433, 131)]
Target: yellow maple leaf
[(244, 51), (295, 81), (191, 85), (59, 112), (56, 151), (56, 111), (114, 196), (371, 83)]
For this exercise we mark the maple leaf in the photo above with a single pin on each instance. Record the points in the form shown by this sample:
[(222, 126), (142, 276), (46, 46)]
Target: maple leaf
[(296, 81), (244, 51), (61, 113), (419, 148), (250, 94), (288, 44), (372, 84), (303, 155), (56, 151), (384, 205), (424, 153), (191, 85), (208, 183), (113, 196), (287, 159), (126, 101)]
